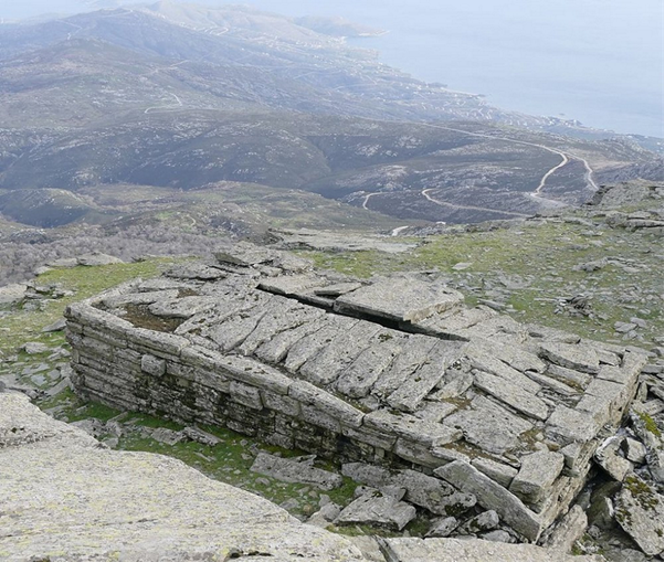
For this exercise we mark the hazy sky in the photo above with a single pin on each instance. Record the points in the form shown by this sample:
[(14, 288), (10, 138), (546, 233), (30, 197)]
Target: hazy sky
[(599, 61)]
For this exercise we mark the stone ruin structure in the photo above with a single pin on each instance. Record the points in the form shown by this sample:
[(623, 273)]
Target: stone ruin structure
[(393, 372)]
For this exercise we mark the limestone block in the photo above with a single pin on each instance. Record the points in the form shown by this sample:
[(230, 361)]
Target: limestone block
[(246, 395), (639, 511), (152, 365), (399, 299), (296, 470), (490, 494), (606, 455), (511, 394), (536, 476), (571, 425), (499, 472), (309, 394), (569, 376), (378, 510), (432, 493), (280, 403), (412, 428), (575, 357)]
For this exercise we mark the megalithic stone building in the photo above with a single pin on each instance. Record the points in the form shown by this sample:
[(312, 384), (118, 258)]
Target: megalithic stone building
[(396, 372)]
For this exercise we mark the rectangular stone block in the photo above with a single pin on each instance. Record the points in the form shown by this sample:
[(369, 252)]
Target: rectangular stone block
[(570, 425), (246, 395), (492, 496), (324, 402), (280, 403), (536, 476), (412, 428)]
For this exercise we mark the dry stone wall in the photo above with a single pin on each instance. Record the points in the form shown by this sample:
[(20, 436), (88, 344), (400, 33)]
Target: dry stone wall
[(393, 372)]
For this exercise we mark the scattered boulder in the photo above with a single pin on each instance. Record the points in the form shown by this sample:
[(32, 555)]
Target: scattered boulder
[(377, 509), (296, 470), (34, 348), (639, 511), (607, 457), (56, 326), (12, 294)]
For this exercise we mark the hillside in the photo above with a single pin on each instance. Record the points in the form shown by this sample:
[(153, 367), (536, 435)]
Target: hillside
[(180, 96)]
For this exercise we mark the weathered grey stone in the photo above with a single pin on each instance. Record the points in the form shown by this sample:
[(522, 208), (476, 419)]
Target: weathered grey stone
[(455, 387), (247, 395), (634, 450), (144, 298), (433, 494), (551, 383), (324, 367), (276, 349), (293, 284), (244, 254), (450, 322), (499, 329), (508, 506), (483, 522), (484, 359), (34, 348), (409, 395), (401, 300), (499, 472), (335, 290), (567, 531), (580, 358), (489, 426), (604, 400), (536, 476), (639, 511), (377, 510), (414, 351), (152, 365), (648, 432), (328, 404), (183, 307), (442, 527), (323, 517), (569, 376), (413, 428), (450, 549), (12, 294), (371, 475), (512, 395), (285, 314), (310, 345), (571, 425), (167, 436), (606, 455), (357, 379), (296, 470), (131, 505), (435, 411), (200, 436), (56, 326)]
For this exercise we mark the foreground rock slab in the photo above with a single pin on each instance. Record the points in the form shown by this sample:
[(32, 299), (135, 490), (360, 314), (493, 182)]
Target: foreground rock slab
[(445, 549), (64, 497)]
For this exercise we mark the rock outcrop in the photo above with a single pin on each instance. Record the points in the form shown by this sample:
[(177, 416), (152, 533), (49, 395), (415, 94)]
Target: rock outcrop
[(64, 497), (394, 371)]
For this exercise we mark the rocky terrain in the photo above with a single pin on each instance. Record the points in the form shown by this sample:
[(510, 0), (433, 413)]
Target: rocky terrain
[(615, 510)]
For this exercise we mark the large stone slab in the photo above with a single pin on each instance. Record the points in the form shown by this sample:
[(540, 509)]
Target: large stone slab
[(489, 426), (414, 389), (490, 494), (449, 549), (378, 510), (415, 350), (324, 367), (357, 379), (399, 299), (295, 470), (512, 395), (580, 358), (62, 497)]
